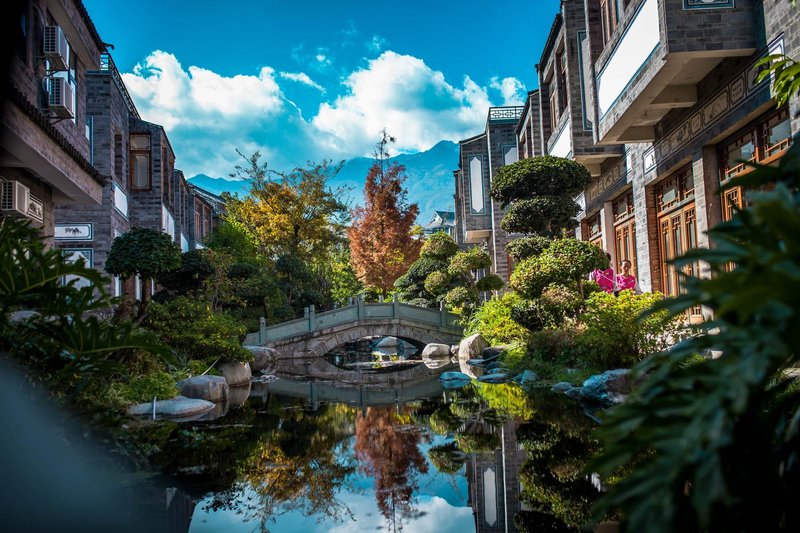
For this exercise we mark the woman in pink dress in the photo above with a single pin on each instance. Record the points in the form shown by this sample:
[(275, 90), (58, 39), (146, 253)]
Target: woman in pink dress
[(604, 278), (626, 280)]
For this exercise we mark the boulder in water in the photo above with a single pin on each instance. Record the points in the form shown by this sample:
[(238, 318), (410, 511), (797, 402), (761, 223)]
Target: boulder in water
[(494, 378), (211, 388), (562, 386), (436, 350), (176, 408), (454, 380), (263, 358), (236, 373)]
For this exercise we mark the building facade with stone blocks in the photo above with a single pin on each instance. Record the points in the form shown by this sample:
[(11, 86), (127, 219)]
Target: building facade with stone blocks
[(478, 216), (671, 91), (87, 231), (45, 129), (529, 132)]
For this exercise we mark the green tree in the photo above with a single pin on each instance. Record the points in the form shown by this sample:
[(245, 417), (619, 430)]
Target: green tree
[(538, 193), (289, 213), (143, 252)]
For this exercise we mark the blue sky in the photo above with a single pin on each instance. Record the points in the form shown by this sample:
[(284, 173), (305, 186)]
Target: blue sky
[(305, 80)]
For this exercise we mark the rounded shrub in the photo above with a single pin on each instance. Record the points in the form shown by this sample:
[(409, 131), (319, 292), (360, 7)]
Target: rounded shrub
[(493, 320), (526, 247), (436, 282), (539, 176), (439, 246), (490, 282)]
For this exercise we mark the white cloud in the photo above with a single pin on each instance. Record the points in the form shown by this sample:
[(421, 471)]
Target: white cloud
[(414, 102), (302, 77), (377, 43), (208, 116), (173, 97), (512, 90)]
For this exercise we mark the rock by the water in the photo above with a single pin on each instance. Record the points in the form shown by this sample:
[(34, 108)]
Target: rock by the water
[(563, 386), (494, 378), (476, 362), (527, 377), (263, 358), (493, 352), (494, 364), (496, 370), (471, 348), (454, 380), (236, 373), (436, 356), (454, 349), (211, 388), (436, 350), (575, 392), (595, 388), (623, 381), (179, 407)]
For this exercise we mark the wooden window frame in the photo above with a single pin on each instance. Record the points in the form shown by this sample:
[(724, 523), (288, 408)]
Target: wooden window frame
[(133, 152)]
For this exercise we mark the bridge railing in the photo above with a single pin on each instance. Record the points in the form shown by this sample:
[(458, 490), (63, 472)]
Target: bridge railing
[(358, 312)]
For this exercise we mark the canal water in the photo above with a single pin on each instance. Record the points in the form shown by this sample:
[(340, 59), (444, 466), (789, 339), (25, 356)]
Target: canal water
[(306, 457)]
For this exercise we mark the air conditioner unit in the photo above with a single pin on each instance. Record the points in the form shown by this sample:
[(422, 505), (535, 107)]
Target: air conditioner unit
[(60, 98), (56, 48), (15, 198)]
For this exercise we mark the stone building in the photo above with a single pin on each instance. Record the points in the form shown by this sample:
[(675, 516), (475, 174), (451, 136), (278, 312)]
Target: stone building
[(478, 216), (659, 99), (45, 129)]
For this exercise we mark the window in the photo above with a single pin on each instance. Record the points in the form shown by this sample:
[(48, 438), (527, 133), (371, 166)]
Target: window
[(562, 80), (625, 230), (595, 230), (198, 221), (608, 18), (763, 142), (677, 226), (553, 105), (90, 137), (140, 162)]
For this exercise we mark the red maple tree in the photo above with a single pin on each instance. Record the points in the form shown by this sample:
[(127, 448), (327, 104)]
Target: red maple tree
[(381, 244)]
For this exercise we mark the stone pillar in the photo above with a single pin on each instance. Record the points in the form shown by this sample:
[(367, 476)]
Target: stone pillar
[(395, 307), (607, 226), (312, 323)]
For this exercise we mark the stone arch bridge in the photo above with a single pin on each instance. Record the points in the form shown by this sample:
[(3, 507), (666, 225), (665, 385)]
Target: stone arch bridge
[(302, 343)]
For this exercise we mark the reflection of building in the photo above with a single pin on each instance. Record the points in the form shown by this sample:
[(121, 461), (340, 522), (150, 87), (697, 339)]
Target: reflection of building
[(494, 485), (167, 509), (442, 221)]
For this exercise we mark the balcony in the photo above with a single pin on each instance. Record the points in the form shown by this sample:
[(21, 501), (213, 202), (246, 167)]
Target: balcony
[(507, 114), (658, 53)]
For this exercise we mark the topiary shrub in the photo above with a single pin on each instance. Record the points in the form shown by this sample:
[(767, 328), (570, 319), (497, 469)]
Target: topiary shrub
[(469, 260), (439, 246), (436, 281), (540, 213), (461, 297), (490, 282), (526, 247), (564, 261), (196, 267)]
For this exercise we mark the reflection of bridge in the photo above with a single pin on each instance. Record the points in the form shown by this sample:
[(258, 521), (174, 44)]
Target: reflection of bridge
[(302, 343), (322, 392)]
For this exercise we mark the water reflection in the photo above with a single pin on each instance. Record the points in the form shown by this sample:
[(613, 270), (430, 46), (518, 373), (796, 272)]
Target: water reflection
[(483, 458), (379, 353)]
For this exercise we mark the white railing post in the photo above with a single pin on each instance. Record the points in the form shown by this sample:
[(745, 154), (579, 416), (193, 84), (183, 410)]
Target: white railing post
[(311, 319), (262, 330), (395, 307), (360, 303), (442, 314)]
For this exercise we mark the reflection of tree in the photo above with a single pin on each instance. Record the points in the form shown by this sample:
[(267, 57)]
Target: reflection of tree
[(300, 467), (388, 451), (447, 458), (555, 485)]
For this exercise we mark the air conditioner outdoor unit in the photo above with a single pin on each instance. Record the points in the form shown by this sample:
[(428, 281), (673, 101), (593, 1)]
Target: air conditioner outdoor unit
[(15, 198), (60, 98), (56, 48)]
